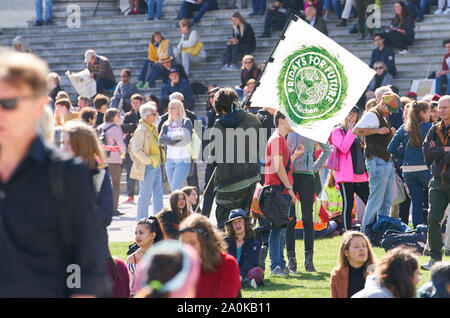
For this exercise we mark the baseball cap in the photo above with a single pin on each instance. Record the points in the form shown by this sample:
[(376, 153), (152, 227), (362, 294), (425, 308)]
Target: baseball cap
[(392, 101), (436, 97), (411, 94), (88, 55), (236, 214), (173, 70)]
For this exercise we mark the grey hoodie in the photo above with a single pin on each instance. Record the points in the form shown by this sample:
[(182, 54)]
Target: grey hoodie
[(305, 163)]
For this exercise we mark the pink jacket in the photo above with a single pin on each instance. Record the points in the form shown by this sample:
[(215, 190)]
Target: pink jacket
[(114, 137), (343, 143)]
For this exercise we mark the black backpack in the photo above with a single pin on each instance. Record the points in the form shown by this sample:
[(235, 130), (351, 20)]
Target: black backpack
[(102, 137)]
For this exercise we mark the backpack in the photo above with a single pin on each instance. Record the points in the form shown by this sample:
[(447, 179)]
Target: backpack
[(102, 137), (414, 239)]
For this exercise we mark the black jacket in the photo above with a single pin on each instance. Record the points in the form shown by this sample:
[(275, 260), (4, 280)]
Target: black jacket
[(164, 74), (48, 222), (436, 156), (247, 41), (250, 251), (129, 125), (244, 148)]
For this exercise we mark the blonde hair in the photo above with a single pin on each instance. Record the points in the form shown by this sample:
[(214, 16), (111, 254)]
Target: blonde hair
[(18, 69), (347, 237), (181, 111), (54, 76), (85, 143), (248, 57), (46, 126), (213, 243), (62, 95)]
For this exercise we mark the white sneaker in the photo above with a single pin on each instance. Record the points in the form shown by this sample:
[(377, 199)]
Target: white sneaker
[(403, 52), (225, 67), (277, 271), (253, 284), (447, 11), (439, 11), (232, 67)]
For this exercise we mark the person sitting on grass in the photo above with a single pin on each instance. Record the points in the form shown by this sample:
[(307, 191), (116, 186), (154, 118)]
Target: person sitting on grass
[(244, 246)]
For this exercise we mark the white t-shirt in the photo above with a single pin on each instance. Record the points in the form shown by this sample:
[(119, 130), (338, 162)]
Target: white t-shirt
[(180, 152), (369, 120)]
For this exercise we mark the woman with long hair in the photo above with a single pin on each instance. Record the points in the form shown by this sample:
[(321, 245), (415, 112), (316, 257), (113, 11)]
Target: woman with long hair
[(351, 176), (396, 276), (243, 41), (81, 140), (157, 48), (191, 196), (148, 232), (402, 29), (434, 117), (219, 274), (176, 133), (356, 260), (415, 170), (172, 216), (249, 70), (189, 49)]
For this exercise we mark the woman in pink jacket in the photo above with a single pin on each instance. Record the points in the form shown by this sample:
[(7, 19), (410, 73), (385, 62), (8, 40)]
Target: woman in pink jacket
[(351, 176), (114, 137)]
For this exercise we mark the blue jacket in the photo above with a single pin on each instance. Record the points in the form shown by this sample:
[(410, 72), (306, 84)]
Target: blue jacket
[(249, 254), (183, 87), (387, 56), (400, 146)]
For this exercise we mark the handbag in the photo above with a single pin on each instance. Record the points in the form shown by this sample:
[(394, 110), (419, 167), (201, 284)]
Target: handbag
[(333, 161), (193, 50), (399, 193)]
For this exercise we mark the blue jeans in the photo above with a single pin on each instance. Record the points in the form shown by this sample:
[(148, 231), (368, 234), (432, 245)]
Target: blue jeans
[(333, 5), (276, 243), (177, 171), (48, 10), (439, 80), (381, 184), (259, 6), (151, 8), (187, 8), (104, 83), (416, 182), (418, 8), (151, 186)]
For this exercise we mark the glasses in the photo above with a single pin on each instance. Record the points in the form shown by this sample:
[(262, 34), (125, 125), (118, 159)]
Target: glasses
[(11, 103), (379, 68)]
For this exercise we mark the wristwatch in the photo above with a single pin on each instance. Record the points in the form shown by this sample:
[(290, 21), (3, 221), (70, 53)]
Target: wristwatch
[(290, 188)]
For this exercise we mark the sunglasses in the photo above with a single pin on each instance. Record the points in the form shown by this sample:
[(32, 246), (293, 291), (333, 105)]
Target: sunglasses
[(11, 103), (378, 68)]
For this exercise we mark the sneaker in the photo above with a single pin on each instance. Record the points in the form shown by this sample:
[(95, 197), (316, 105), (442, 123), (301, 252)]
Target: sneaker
[(447, 11), (342, 23), (277, 271), (38, 23), (286, 270), (117, 213), (439, 11), (129, 200), (232, 67), (139, 84), (326, 18), (403, 52), (427, 266), (149, 19), (225, 67), (146, 85), (49, 22)]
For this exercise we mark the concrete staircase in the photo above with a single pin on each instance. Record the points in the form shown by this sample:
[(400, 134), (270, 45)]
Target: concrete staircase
[(124, 40)]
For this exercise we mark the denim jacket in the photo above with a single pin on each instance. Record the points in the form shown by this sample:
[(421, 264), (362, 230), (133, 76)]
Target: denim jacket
[(400, 146)]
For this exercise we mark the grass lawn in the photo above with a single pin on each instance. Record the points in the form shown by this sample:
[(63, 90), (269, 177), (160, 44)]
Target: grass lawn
[(304, 284)]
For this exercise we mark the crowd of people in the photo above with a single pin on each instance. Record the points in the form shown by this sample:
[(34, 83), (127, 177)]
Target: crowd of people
[(178, 252)]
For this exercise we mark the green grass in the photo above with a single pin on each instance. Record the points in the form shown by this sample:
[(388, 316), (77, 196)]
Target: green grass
[(304, 284)]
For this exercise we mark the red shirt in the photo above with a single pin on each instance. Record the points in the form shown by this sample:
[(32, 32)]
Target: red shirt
[(224, 282), (276, 146), (446, 62)]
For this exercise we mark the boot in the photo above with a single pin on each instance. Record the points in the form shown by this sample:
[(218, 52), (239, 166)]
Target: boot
[(262, 257), (309, 266), (292, 262)]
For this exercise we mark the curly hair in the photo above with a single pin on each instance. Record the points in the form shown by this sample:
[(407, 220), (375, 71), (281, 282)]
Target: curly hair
[(396, 271), (231, 234)]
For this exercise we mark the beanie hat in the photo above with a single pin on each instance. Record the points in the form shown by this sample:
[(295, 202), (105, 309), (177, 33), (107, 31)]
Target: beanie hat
[(392, 101)]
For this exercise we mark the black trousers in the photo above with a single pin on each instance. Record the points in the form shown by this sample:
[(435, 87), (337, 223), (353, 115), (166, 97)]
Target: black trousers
[(131, 183), (397, 40), (361, 11), (348, 190), (208, 199), (304, 186)]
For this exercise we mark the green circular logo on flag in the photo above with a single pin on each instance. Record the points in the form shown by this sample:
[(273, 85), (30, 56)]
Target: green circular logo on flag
[(312, 85)]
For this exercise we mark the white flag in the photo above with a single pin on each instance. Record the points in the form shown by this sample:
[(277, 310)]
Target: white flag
[(311, 79)]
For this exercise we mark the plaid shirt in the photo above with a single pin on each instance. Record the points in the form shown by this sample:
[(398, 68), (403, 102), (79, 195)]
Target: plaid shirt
[(101, 68)]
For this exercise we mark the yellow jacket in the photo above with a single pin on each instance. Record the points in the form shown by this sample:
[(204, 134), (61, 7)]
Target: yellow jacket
[(163, 50), (144, 150)]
